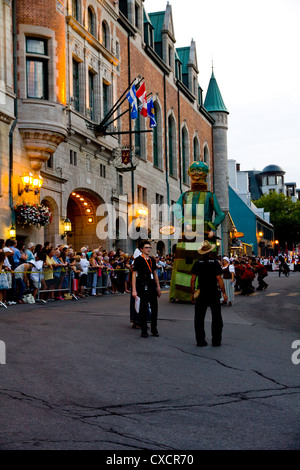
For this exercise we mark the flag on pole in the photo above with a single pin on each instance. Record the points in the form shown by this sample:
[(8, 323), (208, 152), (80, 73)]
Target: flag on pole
[(131, 96), (151, 112), (141, 94)]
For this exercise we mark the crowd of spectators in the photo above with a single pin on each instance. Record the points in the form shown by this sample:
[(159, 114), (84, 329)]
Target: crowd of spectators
[(241, 272), (47, 273)]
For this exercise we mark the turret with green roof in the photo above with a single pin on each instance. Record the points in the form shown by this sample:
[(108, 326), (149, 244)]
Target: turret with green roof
[(214, 104), (214, 101)]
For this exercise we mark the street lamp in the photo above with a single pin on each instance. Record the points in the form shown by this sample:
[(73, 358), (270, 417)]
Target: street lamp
[(30, 182), (12, 231), (142, 212), (67, 228)]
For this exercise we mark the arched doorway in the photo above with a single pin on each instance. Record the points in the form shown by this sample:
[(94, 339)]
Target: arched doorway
[(51, 231), (161, 248), (81, 210)]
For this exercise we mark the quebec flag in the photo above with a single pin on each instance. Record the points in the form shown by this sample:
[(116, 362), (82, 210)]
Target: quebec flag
[(131, 96), (151, 112)]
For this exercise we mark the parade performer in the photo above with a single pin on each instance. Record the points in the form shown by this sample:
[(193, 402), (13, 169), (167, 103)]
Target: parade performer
[(199, 214)]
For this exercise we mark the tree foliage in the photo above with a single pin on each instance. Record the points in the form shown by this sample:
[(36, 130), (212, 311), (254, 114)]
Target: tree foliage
[(284, 215)]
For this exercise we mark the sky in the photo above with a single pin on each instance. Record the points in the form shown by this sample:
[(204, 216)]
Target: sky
[(254, 47)]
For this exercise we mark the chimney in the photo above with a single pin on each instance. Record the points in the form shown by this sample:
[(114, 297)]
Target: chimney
[(238, 167)]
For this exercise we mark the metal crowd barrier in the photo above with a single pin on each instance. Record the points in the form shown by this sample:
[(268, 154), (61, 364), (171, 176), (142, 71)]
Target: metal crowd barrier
[(69, 287)]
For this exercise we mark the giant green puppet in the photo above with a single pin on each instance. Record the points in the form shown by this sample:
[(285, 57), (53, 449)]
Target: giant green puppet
[(199, 214)]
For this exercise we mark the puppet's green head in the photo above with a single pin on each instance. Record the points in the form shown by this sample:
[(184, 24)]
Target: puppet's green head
[(198, 170)]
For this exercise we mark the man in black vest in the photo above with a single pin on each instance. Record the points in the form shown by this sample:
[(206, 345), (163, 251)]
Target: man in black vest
[(145, 285), (210, 282)]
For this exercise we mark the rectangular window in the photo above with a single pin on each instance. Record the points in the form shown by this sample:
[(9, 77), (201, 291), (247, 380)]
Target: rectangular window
[(49, 162), (102, 170), (271, 179), (120, 181), (105, 99), (123, 7), (137, 14), (75, 9), (36, 46), (155, 146), (76, 84), (137, 136), (170, 56), (159, 202), (172, 214), (73, 158), (37, 68), (142, 195), (91, 96)]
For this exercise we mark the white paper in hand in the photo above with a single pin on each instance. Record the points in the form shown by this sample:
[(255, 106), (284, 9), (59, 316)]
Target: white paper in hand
[(137, 304)]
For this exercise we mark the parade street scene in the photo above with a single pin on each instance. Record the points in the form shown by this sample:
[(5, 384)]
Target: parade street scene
[(149, 228), (77, 376)]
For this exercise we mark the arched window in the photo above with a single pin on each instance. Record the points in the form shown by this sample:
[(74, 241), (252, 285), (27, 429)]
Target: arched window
[(172, 146), (185, 154), (206, 160), (105, 35), (157, 136), (206, 155), (196, 149), (91, 21), (155, 143)]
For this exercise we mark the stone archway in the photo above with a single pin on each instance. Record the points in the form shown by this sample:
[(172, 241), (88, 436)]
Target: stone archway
[(81, 210)]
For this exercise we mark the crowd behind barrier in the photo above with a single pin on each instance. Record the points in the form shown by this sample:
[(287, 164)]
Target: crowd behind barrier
[(43, 273)]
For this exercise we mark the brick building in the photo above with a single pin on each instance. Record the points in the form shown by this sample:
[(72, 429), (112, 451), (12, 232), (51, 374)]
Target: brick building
[(64, 64)]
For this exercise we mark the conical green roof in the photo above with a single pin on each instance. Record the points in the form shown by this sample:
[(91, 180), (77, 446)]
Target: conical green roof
[(213, 100)]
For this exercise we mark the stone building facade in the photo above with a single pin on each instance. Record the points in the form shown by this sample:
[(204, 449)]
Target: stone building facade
[(65, 63)]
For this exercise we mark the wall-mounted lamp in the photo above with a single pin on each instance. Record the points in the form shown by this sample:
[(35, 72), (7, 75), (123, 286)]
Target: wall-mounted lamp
[(67, 228), (12, 231), (260, 234), (142, 212), (30, 183)]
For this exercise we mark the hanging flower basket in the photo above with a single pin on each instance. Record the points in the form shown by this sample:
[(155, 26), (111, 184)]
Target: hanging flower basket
[(35, 214)]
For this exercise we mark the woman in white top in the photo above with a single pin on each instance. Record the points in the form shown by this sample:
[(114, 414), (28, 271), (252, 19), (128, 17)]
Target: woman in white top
[(228, 278)]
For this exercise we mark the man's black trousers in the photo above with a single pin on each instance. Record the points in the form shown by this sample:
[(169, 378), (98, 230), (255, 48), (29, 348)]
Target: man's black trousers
[(202, 303), (148, 296)]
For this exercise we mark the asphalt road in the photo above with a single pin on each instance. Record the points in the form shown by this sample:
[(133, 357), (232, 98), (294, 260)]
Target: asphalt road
[(77, 376)]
